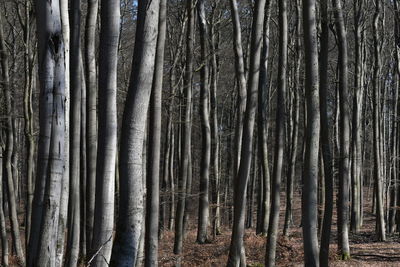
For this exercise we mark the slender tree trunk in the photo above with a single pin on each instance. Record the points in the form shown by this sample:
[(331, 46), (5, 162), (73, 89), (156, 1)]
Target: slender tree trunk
[(129, 226), (186, 130), (203, 217), (380, 219), (236, 252), (107, 135), (76, 91), (280, 137), (325, 136), (91, 110), (241, 79), (310, 171), (262, 118), (295, 128), (153, 173), (4, 240), (64, 196), (5, 78)]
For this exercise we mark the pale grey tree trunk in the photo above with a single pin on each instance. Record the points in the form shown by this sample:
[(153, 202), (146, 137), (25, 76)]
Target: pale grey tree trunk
[(262, 126), (310, 171), (380, 219), (52, 108), (64, 197), (153, 162), (91, 110), (241, 79), (236, 251), (107, 135), (75, 117), (131, 208), (280, 137), (204, 207), (5, 79)]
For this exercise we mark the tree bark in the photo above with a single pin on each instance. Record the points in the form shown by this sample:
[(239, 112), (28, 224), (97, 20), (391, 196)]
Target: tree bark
[(153, 173), (129, 226), (107, 135), (236, 252)]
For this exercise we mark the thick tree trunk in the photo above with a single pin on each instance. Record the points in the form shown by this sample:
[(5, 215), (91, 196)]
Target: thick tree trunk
[(153, 173), (280, 137), (236, 252), (52, 108), (129, 226), (107, 135)]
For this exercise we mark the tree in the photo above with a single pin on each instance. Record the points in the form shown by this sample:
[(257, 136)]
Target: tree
[(310, 171), (129, 225), (153, 173), (236, 251), (107, 135), (204, 207), (279, 135)]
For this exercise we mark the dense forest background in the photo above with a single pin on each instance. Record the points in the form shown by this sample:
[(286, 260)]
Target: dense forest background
[(199, 133)]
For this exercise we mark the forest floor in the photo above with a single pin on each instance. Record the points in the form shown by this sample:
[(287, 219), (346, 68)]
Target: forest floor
[(365, 250)]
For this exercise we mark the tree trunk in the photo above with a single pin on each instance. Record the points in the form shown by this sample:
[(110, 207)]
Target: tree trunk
[(204, 207), (91, 111), (236, 252), (380, 219), (280, 137), (76, 88), (186, 130), (129, 226), (17, 244), (153, 173), (262, 126), (4, 240), (325, 136), (107, 135)]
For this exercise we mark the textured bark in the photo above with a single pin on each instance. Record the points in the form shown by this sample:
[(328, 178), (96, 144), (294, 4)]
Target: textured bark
[(5, 79), (325, 136), (344, 135), (73, 239), (64, 197), (91, 111), (280, 137), (186, 130), (204, 207), (310, 171), (236, 251), (380, 220), (241, 79), (107, 135), (153, 162), (262, 126), (129, 226), (52, 109)]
